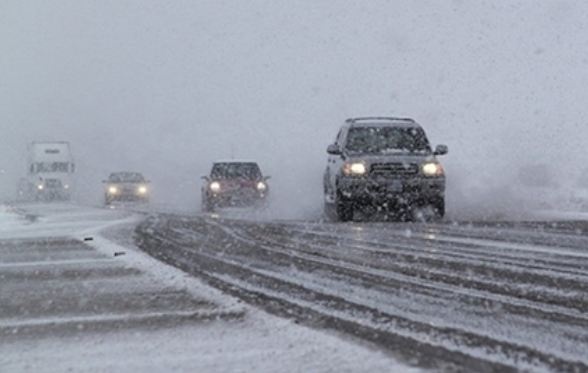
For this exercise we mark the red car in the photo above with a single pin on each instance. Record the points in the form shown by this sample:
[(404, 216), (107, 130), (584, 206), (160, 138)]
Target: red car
[(234, 184)]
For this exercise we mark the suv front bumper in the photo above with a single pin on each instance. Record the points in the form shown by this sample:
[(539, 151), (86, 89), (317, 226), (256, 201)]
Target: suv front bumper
[(404, 190)]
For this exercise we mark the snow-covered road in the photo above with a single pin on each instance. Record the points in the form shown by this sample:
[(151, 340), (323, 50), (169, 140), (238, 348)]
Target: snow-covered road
[(76, 295), (477, 297)]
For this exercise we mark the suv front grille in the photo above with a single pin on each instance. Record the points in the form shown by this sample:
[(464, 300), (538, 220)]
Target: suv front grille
[(394, 169)]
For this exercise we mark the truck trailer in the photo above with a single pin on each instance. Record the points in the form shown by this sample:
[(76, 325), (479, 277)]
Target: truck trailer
[(50, 172)]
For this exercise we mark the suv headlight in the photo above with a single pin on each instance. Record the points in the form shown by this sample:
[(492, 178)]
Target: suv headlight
[(142, 189), (215, 186), (354, 169), (261, 186), (432, 169), (112, 190)]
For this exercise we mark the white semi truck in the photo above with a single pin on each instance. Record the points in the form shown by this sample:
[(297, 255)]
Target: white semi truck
[(50, 172)]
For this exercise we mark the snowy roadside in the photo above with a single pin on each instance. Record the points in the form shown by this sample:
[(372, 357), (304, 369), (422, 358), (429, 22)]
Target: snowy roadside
[(254, 341), (562, 215)]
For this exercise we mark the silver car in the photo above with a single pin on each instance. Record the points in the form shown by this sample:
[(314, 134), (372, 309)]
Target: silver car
[(126, 187), (385, 163)]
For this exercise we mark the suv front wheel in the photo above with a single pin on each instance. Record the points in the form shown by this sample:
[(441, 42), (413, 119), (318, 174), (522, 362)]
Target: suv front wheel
[(438, 205), (343, 208), (207, 205)]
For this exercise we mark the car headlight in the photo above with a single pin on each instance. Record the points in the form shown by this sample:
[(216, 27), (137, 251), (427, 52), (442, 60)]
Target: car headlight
[(356, 169), (66, 186), (142, 189), (40, 187), (112, 190), (261, 186), (432, 169), (215, 186)]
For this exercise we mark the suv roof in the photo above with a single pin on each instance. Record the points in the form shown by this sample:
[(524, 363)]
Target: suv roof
[(234, 161), (381, 121)]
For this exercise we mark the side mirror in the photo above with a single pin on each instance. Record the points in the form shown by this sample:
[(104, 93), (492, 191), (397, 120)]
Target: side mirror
[(205, 178), (441, 150), (334, 149), (265, 178)]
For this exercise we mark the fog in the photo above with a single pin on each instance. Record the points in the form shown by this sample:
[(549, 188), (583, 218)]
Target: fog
[(166, 87)]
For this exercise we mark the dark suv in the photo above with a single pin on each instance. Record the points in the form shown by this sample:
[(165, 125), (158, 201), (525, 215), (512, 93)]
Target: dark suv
[(234, 184), (384, 163)]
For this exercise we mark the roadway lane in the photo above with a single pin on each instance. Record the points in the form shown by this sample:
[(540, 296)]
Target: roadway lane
[(474, 297)]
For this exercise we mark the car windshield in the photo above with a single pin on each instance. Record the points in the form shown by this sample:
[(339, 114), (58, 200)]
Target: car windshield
[(126, 177), (236, 171), (382, 140)]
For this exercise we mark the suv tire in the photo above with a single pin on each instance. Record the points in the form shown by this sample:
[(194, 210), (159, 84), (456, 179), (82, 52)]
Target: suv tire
[(207, 206), (343, 208), (439, 207)]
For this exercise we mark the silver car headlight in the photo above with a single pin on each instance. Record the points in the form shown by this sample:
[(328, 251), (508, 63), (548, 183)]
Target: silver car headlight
[(142, 189), (112, 189)]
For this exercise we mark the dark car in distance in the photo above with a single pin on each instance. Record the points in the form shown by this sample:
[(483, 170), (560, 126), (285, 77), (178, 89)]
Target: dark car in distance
[(234, 183)]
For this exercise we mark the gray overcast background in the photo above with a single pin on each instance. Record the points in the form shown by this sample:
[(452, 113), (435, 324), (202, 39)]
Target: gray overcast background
[(165, 87)]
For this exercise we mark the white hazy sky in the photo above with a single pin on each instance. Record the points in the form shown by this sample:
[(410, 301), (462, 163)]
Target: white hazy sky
[(168, 86)]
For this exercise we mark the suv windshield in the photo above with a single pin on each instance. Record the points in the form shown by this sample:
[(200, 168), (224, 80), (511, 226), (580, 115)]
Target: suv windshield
[(236, 171), (127, 177), (378, 140)]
